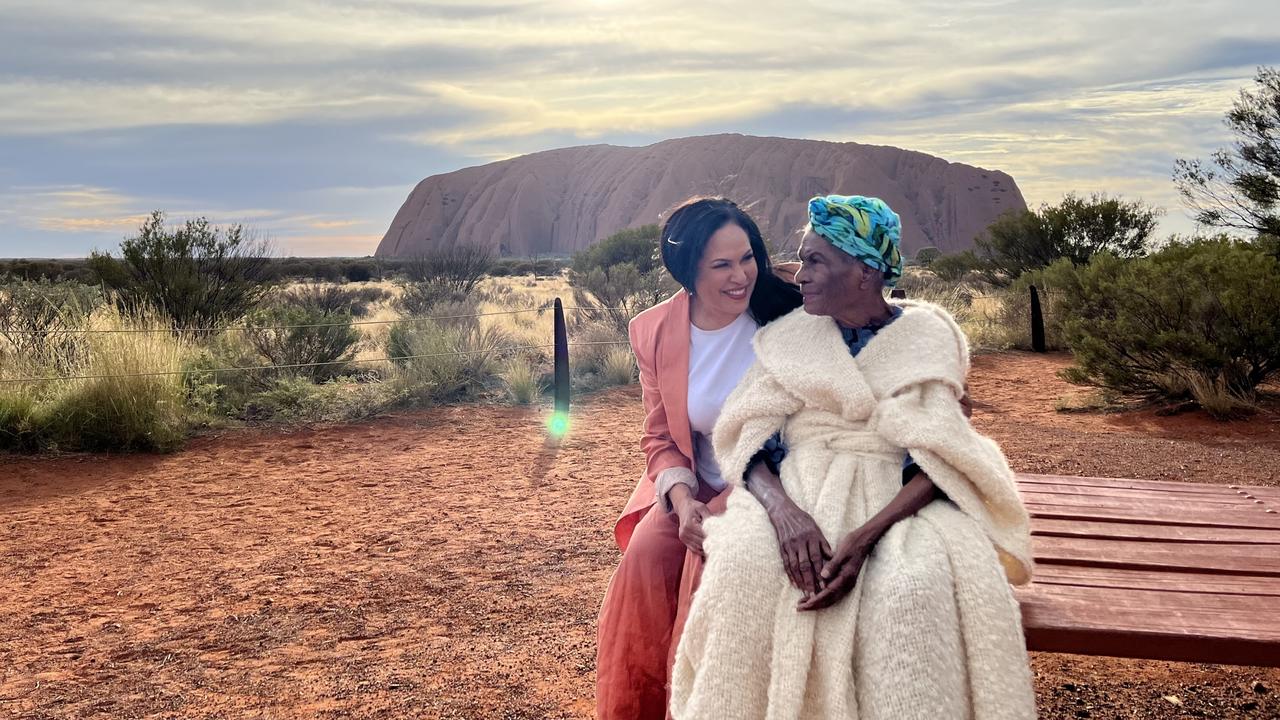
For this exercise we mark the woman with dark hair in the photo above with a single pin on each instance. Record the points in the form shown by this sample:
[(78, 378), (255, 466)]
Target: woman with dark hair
[(914, 617), (691, 350)]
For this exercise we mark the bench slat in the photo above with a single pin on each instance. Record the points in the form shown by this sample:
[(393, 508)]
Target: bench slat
[(1235, 558), (1157, 516), (1169, 533), (1173, 581)]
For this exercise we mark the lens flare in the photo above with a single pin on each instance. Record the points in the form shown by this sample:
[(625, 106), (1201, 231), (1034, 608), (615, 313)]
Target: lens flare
[(558, 425)]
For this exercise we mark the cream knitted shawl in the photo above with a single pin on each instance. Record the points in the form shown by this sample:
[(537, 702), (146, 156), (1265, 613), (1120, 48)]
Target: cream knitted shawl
[(931, 630)]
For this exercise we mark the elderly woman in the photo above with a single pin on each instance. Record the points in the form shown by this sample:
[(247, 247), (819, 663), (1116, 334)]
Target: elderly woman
[(912, 616)]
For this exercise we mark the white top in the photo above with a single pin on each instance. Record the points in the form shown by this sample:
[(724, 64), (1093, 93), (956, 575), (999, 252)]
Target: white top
[(717, 361)]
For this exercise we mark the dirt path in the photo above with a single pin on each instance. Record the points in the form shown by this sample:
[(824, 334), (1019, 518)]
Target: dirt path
[(449, 563)]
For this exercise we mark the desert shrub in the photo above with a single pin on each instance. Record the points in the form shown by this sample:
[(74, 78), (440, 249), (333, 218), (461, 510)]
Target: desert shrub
[(956, 267), (309, 332), (38, 319), (459, 268), (1192, 322), (620, 276), (590, 345), (635, 246), (421, 299), (926, 255), (333, 298), (298, 400), (358, 272), (522, 380), (200, 275), (369, 294), (24, 418), (213, 394), (1013, 310), (444, 361)]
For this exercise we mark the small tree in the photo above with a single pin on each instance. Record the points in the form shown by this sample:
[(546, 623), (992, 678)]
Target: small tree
[(1076, 229), (638, 246), (200, 275), (1241, 190), (621, 275)]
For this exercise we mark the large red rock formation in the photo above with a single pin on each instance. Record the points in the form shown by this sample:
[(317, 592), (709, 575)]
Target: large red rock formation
[(560, 201)]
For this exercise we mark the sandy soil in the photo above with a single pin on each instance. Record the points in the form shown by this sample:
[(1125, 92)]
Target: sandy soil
[(449, 563)]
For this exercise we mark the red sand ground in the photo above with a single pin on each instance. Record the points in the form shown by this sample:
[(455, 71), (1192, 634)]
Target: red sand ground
[(449, 563)]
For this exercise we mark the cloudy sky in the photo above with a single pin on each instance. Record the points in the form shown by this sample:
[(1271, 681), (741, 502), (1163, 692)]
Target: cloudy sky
[(311, 120)]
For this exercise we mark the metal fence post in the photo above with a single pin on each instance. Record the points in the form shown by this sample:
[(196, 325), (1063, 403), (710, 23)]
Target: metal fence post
[(560, 418), (1037, 322)]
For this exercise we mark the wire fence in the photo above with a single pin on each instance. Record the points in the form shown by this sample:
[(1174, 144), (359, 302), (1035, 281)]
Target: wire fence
[(295, 366), (224, 328)]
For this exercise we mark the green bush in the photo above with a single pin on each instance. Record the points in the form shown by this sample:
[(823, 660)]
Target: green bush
[(1014, 313), (297, 400), (200, 275), (1194, 319), (124, 392), (522, 380), (635, 246), (956, 267), (926, 255), (320, 340)]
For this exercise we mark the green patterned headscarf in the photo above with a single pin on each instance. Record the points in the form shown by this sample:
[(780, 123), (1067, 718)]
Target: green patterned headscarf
[(863, 227)]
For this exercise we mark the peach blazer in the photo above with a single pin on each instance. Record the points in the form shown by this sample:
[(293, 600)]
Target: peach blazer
[(660, 341)]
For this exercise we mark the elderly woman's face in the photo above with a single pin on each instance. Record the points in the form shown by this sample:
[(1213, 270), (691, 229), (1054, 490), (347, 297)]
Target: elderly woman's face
[(830, 280), (726, 272)]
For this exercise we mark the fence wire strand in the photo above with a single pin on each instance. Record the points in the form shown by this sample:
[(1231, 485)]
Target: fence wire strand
[(197, 331), (245, 368)]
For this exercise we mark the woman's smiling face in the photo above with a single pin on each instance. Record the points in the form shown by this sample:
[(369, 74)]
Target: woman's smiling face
[(726, 272)]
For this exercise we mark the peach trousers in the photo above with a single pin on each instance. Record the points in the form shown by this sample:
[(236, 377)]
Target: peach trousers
[(643, 613)]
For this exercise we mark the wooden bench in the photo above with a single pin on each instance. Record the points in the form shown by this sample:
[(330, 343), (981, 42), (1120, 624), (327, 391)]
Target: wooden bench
[(1155, 570)]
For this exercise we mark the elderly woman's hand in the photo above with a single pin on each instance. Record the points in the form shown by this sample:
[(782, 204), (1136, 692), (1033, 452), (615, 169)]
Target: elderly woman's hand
[(840, 573), (800, 540)]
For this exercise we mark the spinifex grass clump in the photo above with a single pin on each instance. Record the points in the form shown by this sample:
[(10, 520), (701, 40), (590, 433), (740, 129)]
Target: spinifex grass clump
[(123, 391), (522, 380)]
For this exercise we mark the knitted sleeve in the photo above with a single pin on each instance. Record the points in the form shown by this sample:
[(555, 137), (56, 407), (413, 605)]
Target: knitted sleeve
[(754, 412), (927, 420)]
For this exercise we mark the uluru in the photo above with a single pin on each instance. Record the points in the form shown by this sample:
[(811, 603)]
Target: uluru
[(561, 201)]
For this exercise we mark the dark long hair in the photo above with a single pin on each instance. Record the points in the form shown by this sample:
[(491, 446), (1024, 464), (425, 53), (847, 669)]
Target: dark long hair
[(684, 238)]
